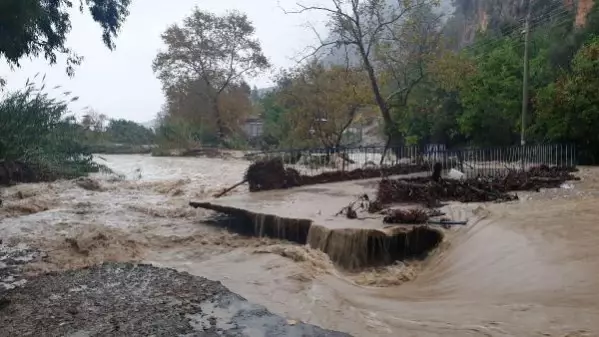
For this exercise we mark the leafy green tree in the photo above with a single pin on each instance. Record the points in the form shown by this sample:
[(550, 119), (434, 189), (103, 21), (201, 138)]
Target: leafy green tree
[(492, 96), (491, 93), (276, 126), (431, 116), (40, 27), (128, 132), (568, 110)]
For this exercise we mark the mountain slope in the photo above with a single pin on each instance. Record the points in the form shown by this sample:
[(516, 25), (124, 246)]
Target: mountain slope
[(467, 17)]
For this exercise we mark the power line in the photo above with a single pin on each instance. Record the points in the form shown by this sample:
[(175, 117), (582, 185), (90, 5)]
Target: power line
[(558, 8), (555, 16)]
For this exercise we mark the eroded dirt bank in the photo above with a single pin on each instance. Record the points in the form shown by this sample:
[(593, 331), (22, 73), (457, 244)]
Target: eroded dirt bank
[(527, 268)]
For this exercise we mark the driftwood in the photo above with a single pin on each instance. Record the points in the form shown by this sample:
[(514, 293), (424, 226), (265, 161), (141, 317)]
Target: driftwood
[(410, 216), (363, 204), (228, 189)]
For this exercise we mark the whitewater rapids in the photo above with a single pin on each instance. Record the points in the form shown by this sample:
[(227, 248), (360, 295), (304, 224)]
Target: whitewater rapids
[(528, 268)]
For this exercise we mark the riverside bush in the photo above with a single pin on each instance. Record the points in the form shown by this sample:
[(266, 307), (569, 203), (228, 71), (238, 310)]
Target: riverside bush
[(39, 131)]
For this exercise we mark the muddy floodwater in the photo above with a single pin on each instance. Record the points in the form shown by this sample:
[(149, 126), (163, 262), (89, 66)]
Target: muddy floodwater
[(527, 268)]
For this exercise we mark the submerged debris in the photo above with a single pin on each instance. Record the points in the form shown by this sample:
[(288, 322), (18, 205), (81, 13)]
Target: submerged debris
[(229, 189), (88, 184), (413, 216), (349, 212), (362, 203), (430, 193), (423, 190)]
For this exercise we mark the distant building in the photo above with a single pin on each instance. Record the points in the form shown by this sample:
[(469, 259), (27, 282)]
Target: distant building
[(435, 148), (253, 127)]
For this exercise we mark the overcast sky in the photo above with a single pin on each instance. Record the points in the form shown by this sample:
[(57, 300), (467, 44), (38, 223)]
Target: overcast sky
[(121, 83)]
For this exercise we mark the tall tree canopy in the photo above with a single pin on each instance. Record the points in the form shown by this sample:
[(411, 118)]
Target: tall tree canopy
[(40, 27), (218, 51)]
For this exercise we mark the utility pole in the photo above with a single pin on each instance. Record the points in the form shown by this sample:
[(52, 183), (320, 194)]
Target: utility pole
[(525, 80)]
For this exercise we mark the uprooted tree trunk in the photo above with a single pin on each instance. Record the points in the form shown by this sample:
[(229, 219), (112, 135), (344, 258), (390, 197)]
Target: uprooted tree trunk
[(220, 124), (394, 143)]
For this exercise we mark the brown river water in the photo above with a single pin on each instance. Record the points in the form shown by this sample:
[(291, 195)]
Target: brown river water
[(529, 268)]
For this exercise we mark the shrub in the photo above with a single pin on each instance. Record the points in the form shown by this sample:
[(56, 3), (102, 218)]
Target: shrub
[(38, 131)]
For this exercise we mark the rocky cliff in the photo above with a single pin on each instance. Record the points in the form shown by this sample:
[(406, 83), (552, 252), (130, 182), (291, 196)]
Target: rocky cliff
[(583, 8), (471, 16), (464, 18)]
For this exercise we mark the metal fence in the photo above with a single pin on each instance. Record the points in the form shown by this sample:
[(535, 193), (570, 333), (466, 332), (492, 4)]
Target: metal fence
[(470, 161)]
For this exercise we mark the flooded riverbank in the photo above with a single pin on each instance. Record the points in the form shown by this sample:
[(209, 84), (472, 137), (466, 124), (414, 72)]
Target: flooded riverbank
[(525, 269)]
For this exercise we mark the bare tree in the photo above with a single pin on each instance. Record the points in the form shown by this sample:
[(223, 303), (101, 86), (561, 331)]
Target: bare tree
[(94, 121), (364, 25), (403, 56), (217, 50)]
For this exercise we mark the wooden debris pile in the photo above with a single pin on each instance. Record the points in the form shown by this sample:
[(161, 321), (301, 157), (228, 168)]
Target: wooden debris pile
[(430, 193), (271, 174), (414, 216)]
